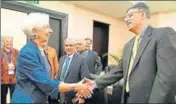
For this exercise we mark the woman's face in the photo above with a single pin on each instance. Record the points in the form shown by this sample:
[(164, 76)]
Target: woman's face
[(44, 32)]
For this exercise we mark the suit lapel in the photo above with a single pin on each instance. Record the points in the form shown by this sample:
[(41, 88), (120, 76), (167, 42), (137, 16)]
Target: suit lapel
[(128, 54), (61, 65), (144, 42), (71, 65)]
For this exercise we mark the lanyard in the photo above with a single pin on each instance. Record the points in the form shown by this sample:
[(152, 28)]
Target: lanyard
[(6, 57)]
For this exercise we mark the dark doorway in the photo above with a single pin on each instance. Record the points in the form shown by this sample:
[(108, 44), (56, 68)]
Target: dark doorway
[(54, 39), (101, 40)]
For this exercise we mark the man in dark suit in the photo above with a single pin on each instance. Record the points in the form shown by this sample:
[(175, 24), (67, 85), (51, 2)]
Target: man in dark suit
[(73, 68), (93, 61), (94, 65), (148, 64)]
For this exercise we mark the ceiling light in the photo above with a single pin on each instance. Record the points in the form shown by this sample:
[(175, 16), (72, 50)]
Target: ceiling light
[(134, 2)]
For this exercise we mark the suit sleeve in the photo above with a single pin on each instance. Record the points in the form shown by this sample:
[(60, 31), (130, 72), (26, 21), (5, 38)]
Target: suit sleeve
[(84, 69), (111, 77), (163, 90), (98, 65), (33, 70)]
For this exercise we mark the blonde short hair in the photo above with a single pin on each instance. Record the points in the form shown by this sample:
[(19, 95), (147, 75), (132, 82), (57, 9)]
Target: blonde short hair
[(34, 20)]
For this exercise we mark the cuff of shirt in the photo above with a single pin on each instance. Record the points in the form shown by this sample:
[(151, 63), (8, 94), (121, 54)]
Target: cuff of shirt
[(94, 85)]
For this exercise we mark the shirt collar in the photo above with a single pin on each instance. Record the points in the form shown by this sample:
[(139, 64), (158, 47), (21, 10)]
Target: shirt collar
[(143, 31), (71, 56)]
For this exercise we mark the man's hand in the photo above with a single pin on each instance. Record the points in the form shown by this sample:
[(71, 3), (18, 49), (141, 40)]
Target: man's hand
[(90, 85), (83, 90), (77, 100)]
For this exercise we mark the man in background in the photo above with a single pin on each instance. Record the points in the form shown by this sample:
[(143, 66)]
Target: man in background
[(73, 68), (80, 46), (53, 60), (93, 60)]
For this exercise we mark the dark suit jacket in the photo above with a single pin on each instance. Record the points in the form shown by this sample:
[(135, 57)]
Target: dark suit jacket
[(93, 62), (33, 80), (152, 79), (78, 69)]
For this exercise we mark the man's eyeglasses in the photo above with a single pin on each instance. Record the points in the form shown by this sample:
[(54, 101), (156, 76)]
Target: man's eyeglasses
[(131, 14)]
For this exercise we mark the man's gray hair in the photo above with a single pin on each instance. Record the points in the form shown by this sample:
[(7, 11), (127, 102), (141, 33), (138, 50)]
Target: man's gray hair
[(141, 7), (34, 20), (70, 39), (82, 41)]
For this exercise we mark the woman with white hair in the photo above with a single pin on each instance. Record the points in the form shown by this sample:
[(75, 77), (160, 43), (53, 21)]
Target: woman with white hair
[(33, 70)]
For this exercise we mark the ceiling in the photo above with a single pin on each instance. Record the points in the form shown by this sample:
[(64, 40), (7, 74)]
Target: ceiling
[(117, 9)]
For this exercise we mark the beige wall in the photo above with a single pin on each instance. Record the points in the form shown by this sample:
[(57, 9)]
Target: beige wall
[(80, 25), (167, 19)]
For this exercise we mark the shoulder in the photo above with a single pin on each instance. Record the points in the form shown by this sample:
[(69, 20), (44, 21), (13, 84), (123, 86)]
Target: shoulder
[(79, 56), (93, 52), (129, 42), (51, 48), (28, 50), (163, 32), (62, 57), (15, 50)]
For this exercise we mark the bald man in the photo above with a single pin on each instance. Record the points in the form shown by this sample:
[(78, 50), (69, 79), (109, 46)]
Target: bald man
[(73, 68)]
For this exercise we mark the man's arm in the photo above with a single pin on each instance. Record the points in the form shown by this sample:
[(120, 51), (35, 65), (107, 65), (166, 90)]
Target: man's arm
[(163, 90), (111, 77), (84, 70), (98, 65)]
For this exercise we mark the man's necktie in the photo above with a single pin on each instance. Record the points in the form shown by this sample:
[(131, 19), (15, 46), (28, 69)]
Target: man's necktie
[(133, 56), (62, 78), (65, 68)]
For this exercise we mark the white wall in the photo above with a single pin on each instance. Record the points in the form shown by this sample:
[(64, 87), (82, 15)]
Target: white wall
[(10, 26)]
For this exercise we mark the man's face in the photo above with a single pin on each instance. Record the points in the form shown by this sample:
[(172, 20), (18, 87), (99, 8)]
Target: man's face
[(88, 44), (8, 42), (134, 19), (44, 32), (69, 47), (80, 46)]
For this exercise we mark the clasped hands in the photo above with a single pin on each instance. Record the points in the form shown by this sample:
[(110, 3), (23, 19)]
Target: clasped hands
[(84, 88)]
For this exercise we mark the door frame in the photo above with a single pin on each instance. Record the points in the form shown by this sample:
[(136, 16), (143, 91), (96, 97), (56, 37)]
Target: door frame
[(27, 8)]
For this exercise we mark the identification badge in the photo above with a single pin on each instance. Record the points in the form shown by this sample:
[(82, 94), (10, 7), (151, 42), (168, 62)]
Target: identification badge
[(11, 68)]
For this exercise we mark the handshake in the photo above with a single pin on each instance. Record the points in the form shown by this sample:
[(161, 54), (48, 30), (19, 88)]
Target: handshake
[(84, 88)]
